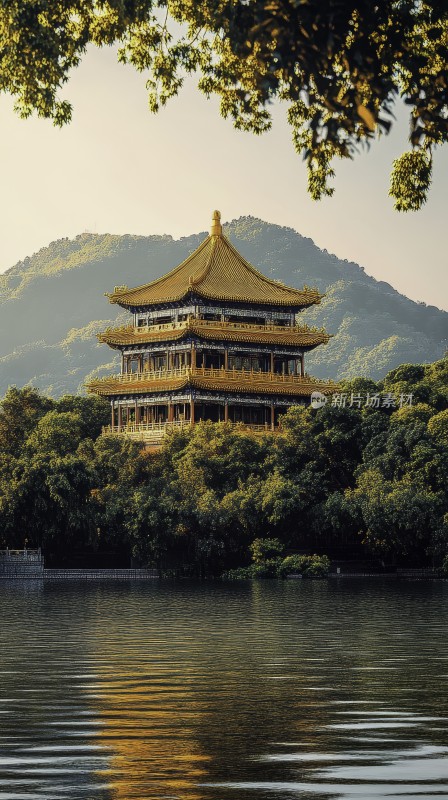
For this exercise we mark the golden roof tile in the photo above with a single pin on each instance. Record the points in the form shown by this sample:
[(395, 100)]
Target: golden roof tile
[(297, 336), (236, 381), (216, 271)]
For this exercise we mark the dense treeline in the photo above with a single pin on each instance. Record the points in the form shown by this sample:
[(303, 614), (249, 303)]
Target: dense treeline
[(346, 481)]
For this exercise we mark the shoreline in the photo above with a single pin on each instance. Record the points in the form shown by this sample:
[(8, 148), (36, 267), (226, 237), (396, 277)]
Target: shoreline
[(153, 574), (83, 574)]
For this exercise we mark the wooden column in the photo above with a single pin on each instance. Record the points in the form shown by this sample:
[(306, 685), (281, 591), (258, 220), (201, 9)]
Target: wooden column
[(112, 405), (193, 356), (120, 417), (226, 358), (226, 411), (170, 412), (168, 359), (272, 361), (272, 416), (302, 365), (192, 412), (136, 413)]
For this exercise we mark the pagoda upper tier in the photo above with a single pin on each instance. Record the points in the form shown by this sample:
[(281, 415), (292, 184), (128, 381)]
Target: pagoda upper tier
[(216, 271), (287, 336)]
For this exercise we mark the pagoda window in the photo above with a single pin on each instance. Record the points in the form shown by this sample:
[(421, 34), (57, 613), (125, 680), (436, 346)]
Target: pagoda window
[(127, 361), (179, 360), (159, 362), (134, 364), (162, 413), (210, 359), (249, 415), (163, 320), (246, 320), (280, 365), (182, 317), (284, 323), (154, 413), (213, 317), (214, 412), (257, 363), (235, 362), (180, 412), (142, 322), (284, 365)]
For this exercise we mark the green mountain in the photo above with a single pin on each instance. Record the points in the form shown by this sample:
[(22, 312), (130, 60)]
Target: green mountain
[(52, 304)]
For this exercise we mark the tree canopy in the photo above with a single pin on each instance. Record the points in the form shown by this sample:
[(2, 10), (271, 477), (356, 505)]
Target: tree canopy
[(338, 66), (364, 482)]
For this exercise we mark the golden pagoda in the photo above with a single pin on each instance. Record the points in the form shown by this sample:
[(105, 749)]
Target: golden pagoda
[(214, 339)]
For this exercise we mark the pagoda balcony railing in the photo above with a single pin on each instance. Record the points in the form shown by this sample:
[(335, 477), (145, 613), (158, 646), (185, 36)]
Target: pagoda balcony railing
[(220, 372), (157, 430), (213, 323)]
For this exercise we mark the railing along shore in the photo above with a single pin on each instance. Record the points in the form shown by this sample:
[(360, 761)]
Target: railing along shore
[(100, 574), (153, 574), (24, 555), (80, 574)]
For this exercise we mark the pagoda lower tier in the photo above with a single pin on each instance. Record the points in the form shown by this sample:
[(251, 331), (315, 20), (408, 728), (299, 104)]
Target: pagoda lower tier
[(144, 402)]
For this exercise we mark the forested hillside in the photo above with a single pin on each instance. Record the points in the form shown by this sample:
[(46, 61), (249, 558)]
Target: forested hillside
[(52, 304)]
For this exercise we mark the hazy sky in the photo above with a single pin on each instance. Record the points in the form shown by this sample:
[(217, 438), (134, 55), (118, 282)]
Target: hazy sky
[(119, 169)]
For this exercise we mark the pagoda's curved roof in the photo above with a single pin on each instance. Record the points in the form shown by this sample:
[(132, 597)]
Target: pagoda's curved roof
[(216, 271), (216, 331), (210, 379)]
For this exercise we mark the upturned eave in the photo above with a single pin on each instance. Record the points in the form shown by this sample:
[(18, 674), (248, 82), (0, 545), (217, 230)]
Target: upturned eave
[(230, 381), (297, 336)]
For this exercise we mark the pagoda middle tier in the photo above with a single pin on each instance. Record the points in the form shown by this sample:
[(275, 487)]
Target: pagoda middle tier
[(213, 339)]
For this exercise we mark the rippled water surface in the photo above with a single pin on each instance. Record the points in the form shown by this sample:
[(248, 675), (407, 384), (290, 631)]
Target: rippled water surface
[(293, 689)]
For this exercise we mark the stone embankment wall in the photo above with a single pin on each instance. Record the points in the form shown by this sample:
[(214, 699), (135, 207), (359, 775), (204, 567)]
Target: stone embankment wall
[(30, 564), (100, 574)]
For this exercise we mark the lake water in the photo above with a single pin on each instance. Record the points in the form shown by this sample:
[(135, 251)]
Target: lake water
[(295, 689)]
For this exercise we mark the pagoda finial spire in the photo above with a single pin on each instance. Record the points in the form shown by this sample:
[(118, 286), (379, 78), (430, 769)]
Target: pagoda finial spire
[(216, 229)]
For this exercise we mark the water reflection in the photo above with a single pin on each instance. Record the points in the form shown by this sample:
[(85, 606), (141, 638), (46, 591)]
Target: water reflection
[(293, 689)]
